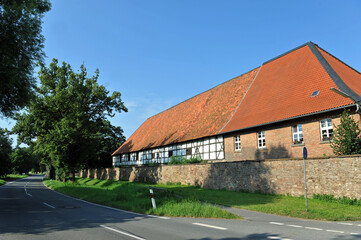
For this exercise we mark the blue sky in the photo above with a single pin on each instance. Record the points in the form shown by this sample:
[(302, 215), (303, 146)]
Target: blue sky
[(159, 53)]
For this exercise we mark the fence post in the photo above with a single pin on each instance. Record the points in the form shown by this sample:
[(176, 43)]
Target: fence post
[(152, 197)]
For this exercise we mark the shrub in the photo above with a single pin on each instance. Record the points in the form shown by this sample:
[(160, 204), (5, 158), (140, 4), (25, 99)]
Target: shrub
[(324, 197), (182, 160), (341, 200), (346, 137)]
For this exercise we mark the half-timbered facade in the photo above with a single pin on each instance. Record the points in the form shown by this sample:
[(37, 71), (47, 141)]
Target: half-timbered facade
[(272, 111)]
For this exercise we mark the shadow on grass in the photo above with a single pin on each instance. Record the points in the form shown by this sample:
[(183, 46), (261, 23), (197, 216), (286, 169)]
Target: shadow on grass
[(107, 183), (226, 198), (134, 198)]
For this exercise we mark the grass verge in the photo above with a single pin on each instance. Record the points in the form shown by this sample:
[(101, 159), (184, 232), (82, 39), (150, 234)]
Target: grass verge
[(275, 204), (15, 176), (135, 197), (11, 177)]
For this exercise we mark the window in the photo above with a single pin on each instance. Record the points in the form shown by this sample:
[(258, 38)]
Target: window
[(237, 143), (133, 156), (125, 157), (326, 129), (315, 93), (261, 139), (297, 134)]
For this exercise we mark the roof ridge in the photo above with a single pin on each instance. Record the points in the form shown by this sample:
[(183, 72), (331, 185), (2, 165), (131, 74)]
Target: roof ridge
[(292, 50), (338, 59), (333, 75), (201, 93)]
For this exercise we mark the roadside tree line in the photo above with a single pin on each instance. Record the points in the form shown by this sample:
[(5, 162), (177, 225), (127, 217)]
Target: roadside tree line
[(64, 120)]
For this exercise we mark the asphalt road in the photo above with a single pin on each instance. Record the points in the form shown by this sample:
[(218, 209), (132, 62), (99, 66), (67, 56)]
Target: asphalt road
[(28, 210)]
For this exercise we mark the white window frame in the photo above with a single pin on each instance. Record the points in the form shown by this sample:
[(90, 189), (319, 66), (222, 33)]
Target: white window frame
[(261, 139), (125, 157), (297, 135), (328, 126), (237, 143)]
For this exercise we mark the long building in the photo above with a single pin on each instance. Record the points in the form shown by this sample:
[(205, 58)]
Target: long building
[(272, 111)]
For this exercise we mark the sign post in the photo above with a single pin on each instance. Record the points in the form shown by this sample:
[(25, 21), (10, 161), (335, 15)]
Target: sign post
[(304, 167)]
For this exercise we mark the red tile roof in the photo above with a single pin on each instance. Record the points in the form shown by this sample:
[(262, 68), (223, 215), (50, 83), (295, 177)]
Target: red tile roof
[(283, 90), (280, 89), (349, 76), (197, 117)]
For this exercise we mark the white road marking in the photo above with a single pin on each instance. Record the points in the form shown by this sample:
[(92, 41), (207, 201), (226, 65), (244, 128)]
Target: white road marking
[(48, 205), (158, 217), (277, 223), (355, 234), (312, 228), (335, 231), (209, 226), (273, 237), (348, 224), (359, 225), (124, 233), (26, 190), (295, 226)]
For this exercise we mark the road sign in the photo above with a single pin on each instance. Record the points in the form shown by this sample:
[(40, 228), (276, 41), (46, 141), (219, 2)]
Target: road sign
[(304, 153), (304, 169)]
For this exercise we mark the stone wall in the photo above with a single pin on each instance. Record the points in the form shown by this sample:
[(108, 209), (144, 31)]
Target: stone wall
[(340, 176)]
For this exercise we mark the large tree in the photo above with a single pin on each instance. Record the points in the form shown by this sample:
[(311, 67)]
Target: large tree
[(5, 151), (68, 118), (21, 44)]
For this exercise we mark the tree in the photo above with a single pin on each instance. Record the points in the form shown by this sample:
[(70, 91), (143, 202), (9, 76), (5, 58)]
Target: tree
[(5, 151), (21, 44), (109, 137), (23, 160), (68, 118), (346, 137)]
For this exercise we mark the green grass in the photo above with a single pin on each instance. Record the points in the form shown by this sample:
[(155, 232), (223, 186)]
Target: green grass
[(135, 197), (15, 176), (275, 204), (11, 177)]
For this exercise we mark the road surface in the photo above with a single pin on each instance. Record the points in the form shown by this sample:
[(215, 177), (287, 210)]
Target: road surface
[(28, 210)]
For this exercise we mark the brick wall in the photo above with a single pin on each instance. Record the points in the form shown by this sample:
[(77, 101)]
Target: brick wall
[(340, 176), (279, 140)]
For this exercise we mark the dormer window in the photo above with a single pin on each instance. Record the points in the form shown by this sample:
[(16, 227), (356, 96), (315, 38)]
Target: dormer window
[(315, 93)]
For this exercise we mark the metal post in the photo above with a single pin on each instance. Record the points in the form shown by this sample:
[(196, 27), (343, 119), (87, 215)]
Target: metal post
[(304, 165), (152, 197)]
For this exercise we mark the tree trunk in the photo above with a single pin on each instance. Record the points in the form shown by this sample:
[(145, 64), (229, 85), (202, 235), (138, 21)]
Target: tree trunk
[(64, 178), (73, 176), (51, 172)]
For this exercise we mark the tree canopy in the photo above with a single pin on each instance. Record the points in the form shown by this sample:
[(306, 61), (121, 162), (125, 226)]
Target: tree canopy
[(21, 44), (5, 151), (346, 137), (23, 160), (68, 118)]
